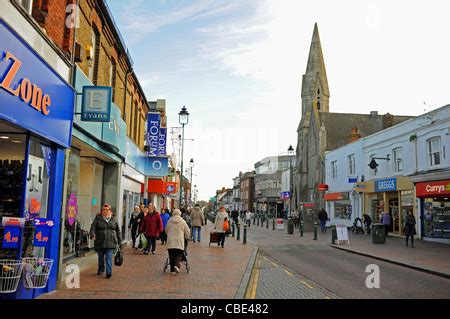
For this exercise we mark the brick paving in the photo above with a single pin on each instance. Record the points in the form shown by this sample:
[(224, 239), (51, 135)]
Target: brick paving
[(215, 273)]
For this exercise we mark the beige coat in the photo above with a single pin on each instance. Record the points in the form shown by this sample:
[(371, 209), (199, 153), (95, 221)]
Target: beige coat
[(220, 218), (177, 231), (198, 219)]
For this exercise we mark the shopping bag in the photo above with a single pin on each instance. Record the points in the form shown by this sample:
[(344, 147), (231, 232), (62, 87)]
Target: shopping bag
[(118, 259), (143, 241), (137, 242), (226, 225)]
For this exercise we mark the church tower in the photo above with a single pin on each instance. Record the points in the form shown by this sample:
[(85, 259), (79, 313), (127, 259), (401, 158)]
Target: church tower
[(315, 92)]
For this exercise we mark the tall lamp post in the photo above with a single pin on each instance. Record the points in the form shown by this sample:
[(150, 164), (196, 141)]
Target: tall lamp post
[(184, 120), (291, 153), (191, 166)]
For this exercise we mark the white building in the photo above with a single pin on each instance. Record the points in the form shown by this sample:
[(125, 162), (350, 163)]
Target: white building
[(413, 173)]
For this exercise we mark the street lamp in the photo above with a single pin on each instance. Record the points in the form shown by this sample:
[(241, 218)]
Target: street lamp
[(290, 153), (184, 120), (191, 165)]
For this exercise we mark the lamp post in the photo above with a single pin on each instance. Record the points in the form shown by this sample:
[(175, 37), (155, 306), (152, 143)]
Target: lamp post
[(184, 120), (291, 153), (191, 166)]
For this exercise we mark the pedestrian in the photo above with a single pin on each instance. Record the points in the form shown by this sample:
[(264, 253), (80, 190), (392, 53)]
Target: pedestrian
[(386, 220), (323, 217), (367, 221), (235, 215), (105, 232), (248, 217), (165, 216), (152, 228), (177, 234), (221, 217), (134, 224), (198, 220), (410, 227)]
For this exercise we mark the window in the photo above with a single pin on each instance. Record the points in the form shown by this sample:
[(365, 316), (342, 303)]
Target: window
[(334, 169), (93, 63), (397, 154), (351, 165), (112, 78), (434, 151), (136, 119)]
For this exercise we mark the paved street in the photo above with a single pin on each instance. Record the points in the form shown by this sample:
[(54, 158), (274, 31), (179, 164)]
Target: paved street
[(339, 272)]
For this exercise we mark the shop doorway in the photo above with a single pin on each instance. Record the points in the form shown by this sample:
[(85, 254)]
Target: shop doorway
[(395, 216), (130, 200)]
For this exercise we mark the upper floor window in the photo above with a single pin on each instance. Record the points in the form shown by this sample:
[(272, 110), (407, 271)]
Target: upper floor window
[(334, 169), (434, 151), (351, 165), (112, 78), (94, 56), (397, 154)]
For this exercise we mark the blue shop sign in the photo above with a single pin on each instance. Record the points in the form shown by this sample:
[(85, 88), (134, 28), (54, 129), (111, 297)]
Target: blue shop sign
[(96, 104), (32, 94), (386, 185)]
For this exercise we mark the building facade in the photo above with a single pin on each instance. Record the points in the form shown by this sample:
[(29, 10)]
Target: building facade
[(237, 205), (247, 191)]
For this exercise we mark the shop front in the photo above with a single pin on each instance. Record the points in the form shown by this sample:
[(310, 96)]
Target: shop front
[(36, 114), (434, 205), (394, 195), (340, 208)]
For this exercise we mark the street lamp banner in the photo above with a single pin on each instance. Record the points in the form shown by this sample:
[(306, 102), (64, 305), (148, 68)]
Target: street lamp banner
[(157, 167), (153, 129), (162, 140)]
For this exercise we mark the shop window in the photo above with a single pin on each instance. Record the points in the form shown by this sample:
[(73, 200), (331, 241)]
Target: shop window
[(12, 161), (38, 173), (437, 218), (343, 210), (434, 151), (398, 159)]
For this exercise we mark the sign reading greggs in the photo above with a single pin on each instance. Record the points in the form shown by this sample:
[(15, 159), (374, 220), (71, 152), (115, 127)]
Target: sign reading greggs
[(32, 95), (439, 188)]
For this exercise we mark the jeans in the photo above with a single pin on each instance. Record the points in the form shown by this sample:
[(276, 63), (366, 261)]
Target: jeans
[(102, 254), (196, 230), (322, 226), (151, 244)]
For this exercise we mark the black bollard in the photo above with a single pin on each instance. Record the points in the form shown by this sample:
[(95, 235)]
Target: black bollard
[(232, 229), (273, 223), (315, 231), (267, 223), (333, 234), (244, 239), (238, 237), (301, 228), (257, 223)]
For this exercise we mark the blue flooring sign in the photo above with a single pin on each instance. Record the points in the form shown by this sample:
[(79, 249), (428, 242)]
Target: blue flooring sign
[(32, 94), (153, 128), (386, 185)]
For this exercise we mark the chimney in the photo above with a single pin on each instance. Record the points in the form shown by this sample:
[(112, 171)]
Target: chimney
[(355, 135), (373, 113), (388, 120)]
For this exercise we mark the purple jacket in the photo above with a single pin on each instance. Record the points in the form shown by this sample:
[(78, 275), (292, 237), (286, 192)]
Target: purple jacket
[(386, 219)]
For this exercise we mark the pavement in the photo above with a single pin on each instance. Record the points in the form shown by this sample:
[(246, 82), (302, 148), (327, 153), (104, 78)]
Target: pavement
[(215, 273), (427, 256)]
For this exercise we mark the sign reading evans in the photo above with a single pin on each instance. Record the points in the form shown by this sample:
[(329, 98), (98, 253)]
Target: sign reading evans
[(96, 104), (386, 185), (32, 94)]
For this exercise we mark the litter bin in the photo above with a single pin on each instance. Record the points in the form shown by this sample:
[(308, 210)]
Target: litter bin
[(378, 234), (290, 226)]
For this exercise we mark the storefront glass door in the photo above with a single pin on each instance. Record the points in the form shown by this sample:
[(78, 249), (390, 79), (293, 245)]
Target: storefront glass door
[(395, 216)]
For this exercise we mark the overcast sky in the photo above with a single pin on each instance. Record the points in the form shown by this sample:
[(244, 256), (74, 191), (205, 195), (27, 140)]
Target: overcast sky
[(237, 66)]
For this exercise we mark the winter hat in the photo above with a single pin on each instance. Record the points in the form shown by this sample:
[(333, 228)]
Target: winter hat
[(176, 212)]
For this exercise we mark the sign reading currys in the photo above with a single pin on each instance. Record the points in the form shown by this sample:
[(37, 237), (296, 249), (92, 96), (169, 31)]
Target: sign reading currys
[(32, 94)]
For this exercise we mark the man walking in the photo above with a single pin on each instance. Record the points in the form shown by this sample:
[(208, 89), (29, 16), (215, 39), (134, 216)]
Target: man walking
[(198, 220), (323, 217)]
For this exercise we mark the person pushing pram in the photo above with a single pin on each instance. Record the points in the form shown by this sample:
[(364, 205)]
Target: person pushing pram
[(178, 235)]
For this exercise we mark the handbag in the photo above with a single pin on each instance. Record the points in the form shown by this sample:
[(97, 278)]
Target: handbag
[(226, 225), (118, 259)]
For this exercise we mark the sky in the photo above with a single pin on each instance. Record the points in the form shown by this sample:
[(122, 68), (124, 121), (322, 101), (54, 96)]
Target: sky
[(237, 66)]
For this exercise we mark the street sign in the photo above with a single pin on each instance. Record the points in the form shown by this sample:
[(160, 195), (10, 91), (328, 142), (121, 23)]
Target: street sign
[(342, 234), (280, 223)]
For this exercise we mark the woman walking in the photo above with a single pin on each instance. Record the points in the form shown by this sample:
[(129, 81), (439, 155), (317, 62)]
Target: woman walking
[(134, 224), (177, 232), (152, 228), (105, 232), (198, 220), (410, 228), (221, 217)]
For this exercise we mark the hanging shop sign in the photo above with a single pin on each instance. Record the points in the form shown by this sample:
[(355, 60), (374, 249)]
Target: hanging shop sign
[(11, 237), (157, 166), (170, 188), (153, 128), (336, 196), (32, 94), (385, 185), (323, 187), (439, 188), (285, 195), (162, 141), (96, 104)]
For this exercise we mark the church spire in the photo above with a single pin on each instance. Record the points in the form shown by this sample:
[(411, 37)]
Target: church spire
[(315, 89)]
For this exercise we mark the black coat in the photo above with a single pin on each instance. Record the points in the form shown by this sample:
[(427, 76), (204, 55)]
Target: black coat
[(410, 226), (134, 224), (107, 235), (323, 216)]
